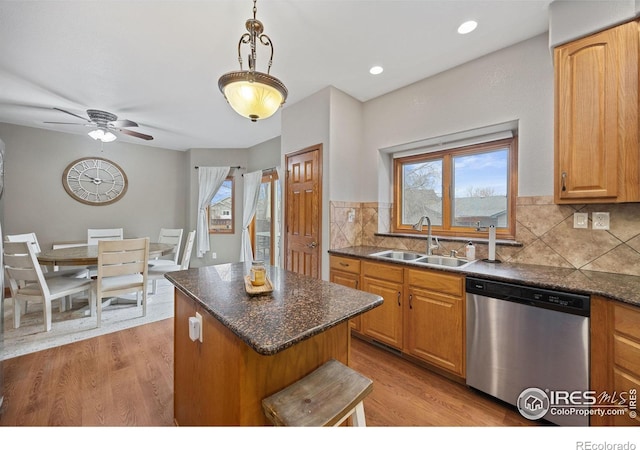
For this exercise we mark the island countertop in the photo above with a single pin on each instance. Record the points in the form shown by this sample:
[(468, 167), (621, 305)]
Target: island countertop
[(298, 308)]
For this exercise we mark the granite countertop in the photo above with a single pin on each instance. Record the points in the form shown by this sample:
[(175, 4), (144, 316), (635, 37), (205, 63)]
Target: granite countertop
[(298, 308), (624, 288)]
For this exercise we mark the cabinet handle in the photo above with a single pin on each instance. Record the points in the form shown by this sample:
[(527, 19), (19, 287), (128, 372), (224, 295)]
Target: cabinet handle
[(344, 264), (564, 181), (357, 281), (410, 301), (399, 295)]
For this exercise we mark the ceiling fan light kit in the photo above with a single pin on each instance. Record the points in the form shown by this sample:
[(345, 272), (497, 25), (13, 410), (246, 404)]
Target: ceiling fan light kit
[(254, 95), (102, 135), (106, 125)]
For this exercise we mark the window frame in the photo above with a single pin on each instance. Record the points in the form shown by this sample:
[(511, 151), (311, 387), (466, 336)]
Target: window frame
[(446, 229), (233, 211), (270, 177)]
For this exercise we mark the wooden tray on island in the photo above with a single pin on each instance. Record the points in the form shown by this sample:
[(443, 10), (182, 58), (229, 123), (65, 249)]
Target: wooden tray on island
[(266, 288)]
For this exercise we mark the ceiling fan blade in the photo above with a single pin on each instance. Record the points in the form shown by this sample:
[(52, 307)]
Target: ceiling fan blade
[(72, 114), (124, 123), (146, 137), (71, 123)]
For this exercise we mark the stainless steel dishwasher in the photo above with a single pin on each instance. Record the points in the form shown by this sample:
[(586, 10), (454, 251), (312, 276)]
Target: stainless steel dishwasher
[(521, 337)]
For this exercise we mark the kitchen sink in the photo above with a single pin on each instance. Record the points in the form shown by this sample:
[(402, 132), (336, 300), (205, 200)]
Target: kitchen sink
[(419, 258), (399, 255), (442, 261)]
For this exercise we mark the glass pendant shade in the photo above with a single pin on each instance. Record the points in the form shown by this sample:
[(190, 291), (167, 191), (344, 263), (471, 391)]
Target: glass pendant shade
[(253, 95)]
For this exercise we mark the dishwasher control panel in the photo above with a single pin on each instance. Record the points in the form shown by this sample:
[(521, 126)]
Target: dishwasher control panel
[(542, 298)]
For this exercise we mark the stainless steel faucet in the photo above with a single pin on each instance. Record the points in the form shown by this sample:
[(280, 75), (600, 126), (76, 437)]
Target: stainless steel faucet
[(418, 227)]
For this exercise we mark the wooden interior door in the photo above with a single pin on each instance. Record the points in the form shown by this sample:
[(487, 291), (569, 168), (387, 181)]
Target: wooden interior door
[(304, 211)]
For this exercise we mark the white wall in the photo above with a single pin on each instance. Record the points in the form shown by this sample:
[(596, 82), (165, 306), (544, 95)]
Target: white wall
[(264, 155), (346, 149), (304, 124), (34, 199), (572, 19), (515, 83)]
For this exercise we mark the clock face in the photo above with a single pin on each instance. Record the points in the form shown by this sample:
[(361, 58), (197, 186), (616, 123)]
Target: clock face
[(94, 181)]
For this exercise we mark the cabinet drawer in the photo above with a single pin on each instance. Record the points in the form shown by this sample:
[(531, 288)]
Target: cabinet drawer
[(627, 354), (344, 264), (389, 272), (437, 281), (626, 320), (623, 382)]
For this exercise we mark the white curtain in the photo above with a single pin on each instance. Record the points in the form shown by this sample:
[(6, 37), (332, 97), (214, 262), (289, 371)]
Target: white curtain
[(277, 215), (252, 183), (209, 181)]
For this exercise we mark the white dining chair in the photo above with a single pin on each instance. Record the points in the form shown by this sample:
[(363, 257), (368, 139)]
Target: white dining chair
[(103, 234), (32, 239), (28, 284), (122, 269), (171, 236), (157, 272)]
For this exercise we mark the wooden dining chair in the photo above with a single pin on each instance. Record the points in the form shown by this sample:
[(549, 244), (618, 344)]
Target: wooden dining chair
[(157, 272), (171, 236), (122, 269), (103, 234), (28, 283)]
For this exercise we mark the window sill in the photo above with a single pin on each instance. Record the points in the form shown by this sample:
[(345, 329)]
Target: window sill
[(475, 240)]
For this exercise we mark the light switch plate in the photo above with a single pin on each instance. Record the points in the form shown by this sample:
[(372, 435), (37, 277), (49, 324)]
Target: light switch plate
[(600, 220), (580, 220)]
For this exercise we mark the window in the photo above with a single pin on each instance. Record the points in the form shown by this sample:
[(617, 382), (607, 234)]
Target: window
[(221, 208), (264, 227), (458, 189)]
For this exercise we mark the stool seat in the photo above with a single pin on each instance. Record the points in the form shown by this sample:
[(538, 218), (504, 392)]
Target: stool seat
[(325, 397)]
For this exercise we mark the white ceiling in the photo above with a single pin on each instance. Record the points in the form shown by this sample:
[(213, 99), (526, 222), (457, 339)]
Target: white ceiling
[(157, 62)]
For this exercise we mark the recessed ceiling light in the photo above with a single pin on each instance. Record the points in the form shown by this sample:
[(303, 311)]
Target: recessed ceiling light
[(376, 70), (467, 27)]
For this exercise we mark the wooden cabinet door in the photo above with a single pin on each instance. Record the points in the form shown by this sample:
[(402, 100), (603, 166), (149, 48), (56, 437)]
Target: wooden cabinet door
[(596, 115), (615, 358), (384, 323), (435, 329)]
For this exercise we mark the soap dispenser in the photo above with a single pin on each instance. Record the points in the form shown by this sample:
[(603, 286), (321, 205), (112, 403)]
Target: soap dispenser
[(470, 251)]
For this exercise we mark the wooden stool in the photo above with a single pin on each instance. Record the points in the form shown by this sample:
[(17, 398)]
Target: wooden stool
[(326, 397)]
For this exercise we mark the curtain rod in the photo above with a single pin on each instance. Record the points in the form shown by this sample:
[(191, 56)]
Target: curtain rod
[(231, 167), (268, 169)]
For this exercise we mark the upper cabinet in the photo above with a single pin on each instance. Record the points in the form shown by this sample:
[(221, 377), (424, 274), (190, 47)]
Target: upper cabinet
[(596, 118)]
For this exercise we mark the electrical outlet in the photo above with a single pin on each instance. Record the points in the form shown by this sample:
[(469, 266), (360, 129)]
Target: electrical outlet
[(580, 220), (214, 255), (351, 216), (600, 220)]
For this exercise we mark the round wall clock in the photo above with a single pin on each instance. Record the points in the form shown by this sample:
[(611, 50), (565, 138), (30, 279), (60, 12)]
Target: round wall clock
[(94, 181)]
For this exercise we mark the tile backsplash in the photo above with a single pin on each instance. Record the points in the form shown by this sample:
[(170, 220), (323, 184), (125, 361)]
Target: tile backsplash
[(544, 231)]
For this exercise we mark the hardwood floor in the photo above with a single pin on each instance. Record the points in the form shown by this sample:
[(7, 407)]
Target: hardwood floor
[(126, 379)]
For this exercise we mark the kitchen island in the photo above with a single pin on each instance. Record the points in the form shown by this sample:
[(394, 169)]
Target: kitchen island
[(253, 346)]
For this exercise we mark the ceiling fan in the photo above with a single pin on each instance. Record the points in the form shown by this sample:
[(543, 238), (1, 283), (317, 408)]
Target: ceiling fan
[(105, 123)]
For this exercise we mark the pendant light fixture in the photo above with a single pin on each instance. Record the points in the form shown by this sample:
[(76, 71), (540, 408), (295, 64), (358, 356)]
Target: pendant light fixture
[(252, 94)]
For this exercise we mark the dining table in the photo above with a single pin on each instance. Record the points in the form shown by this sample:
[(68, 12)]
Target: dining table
[(87, 255)]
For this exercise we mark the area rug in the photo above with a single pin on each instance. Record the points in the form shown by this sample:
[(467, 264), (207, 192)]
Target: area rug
[(76, 324)]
